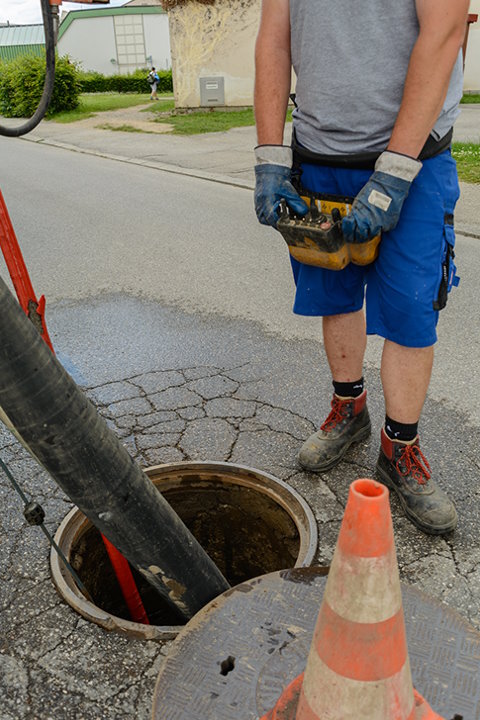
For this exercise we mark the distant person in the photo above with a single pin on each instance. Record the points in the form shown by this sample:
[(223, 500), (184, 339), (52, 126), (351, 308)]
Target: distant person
[(153, 80), (377, 91)]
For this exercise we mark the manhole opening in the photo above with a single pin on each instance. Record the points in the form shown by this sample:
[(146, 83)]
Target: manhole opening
[(245, 532)]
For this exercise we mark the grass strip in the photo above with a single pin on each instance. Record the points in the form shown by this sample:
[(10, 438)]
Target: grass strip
[(92, 103), (467, 156), (195, 122), (166, 104), (124, 128), (470, 98)]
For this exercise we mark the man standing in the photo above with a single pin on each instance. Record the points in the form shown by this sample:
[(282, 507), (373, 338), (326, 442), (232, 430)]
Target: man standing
[(377, 93)]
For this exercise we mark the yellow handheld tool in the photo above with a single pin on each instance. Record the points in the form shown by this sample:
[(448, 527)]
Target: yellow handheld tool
[(317, 238)]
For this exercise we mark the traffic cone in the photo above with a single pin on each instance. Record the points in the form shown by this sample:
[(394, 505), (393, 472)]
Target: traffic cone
[(358, 667)]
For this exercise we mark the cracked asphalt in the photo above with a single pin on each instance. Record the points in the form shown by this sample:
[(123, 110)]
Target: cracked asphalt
[(241, 402)]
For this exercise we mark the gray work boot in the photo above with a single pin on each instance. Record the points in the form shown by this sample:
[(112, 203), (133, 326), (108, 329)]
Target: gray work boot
[(403, 467), (347, 423)]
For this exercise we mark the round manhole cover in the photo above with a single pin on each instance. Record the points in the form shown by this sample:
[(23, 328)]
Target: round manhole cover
[(234, 658)]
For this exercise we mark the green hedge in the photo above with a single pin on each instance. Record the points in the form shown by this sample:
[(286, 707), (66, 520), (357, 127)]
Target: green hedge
[(21, 86), (136, 82), (22, 80)]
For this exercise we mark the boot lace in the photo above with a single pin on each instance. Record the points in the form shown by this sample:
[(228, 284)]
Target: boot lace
[(415, 464), (336, 415)]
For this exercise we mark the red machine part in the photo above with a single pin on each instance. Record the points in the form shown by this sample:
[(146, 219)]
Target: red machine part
[(35, 310)]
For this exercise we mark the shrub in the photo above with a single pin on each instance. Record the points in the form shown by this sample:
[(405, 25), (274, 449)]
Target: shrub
[(7, 89), (21, 86), (136, 82), (91, 81)]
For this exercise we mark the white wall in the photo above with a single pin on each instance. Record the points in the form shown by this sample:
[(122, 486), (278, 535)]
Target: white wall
[(91, 42), (157, 40), (472, 64)]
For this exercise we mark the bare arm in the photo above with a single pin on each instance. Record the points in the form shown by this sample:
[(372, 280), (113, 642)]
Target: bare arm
[(272, 71), (442, 29)]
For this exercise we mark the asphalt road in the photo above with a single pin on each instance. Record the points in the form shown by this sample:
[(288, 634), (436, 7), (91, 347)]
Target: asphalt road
[(169, 302), (90, 227)]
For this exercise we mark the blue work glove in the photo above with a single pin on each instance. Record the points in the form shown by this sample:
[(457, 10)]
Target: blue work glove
[(273, 172), (379, 203)]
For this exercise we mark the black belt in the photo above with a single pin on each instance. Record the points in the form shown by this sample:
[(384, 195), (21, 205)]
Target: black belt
[(363, 161)]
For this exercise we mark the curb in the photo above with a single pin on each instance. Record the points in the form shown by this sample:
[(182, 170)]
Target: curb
[(467, 231), (189, 172)]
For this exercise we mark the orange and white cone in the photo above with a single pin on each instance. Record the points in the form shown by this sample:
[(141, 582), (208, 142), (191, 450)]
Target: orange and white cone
[(358, 667)]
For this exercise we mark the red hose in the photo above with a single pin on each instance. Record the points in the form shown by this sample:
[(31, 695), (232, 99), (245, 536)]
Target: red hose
[(127, 584)]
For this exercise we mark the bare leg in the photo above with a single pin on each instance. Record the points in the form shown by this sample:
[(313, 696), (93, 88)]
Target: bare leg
[(405, 374), (345, 340), (348, 422)]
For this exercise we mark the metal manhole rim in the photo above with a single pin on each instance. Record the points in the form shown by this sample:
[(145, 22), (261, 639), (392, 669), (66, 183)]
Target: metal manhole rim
[(306, 552), (73, 522)]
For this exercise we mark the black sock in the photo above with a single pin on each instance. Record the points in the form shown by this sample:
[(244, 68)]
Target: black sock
[(400, 431), (348, 389)]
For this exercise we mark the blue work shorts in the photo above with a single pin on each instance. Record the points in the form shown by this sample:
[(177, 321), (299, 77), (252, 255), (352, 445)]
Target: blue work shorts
[(403, 288)]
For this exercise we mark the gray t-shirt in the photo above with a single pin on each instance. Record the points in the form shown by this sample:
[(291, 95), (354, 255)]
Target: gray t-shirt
[(351, 59)]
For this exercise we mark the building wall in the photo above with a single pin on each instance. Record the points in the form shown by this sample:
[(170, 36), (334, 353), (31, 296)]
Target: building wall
[(117, 42), (91, 42), (214, 41), (16, 40), (472, 62), (10, 52), (157, 41), (218, 40)]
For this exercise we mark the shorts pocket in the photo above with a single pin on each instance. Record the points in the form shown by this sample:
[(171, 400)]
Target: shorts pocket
[(449, 277)]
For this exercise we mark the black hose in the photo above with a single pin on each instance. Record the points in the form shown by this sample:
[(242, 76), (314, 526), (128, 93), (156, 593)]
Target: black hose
[(42, 108), (64, 432)]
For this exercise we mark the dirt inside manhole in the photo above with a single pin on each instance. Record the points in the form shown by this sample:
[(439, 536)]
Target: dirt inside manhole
[(245, 532)]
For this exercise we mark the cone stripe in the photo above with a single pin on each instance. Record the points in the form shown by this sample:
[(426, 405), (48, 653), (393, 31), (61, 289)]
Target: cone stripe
[(364, 589), (358, 667), (361, 651), (350, 699), (286, 707)]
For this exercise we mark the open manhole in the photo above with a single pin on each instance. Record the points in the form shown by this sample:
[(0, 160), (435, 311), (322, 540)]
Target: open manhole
[(249, 522)]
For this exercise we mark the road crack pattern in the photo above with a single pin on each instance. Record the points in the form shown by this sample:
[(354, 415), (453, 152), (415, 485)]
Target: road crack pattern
[(56, 665)]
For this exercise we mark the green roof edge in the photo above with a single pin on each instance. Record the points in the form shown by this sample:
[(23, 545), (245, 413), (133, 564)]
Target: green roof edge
[(135, 10)]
